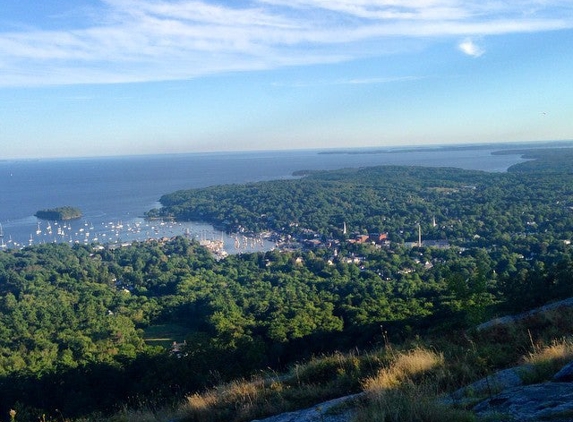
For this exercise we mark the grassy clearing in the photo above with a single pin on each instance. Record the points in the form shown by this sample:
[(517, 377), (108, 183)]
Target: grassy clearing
[(164, 335)]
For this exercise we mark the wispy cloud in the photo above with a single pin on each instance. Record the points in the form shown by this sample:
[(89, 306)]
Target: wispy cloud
[(371, 81), (363, 81), (469, 47), (149, 40)]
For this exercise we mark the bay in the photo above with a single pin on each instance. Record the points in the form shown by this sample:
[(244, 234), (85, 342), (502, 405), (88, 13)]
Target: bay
[(114, 192)]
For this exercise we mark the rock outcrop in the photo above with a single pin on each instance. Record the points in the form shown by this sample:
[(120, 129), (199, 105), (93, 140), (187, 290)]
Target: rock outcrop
[(567, 303), (503, 396), (336, 410), (538, 402), (565, 374), (488, 386)]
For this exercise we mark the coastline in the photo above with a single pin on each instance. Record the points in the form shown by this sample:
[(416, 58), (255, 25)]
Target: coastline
[(113, 190)]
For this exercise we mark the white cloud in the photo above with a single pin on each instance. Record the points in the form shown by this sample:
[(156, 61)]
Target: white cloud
[(145, 40), (370, 81), (383, 9), (364, 81), (470, 48)]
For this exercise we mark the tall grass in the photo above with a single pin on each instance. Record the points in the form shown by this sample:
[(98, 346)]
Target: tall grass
[(408, 403), (547, 359), (558, 352), (406, 367), (407, 391), (305, 385)]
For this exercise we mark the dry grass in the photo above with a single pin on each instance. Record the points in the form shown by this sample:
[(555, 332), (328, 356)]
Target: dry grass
[(548, 359), (398, 383), (408, 404), (406, 391), (237, 401), (559, 351), (141, 416), (321, 379), (407, 366), (307, 384)]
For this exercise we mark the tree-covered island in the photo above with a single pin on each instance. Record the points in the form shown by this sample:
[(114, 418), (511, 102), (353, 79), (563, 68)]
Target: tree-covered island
[(59, 214)]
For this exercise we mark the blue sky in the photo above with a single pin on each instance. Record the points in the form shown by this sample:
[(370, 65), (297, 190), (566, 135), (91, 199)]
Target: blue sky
[(114, 77)]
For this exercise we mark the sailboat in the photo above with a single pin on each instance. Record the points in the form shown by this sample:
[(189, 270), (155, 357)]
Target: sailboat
[(2, 244)]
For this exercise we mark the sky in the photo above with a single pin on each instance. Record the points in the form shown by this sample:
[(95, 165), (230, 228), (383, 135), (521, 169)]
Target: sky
[(122, 77)]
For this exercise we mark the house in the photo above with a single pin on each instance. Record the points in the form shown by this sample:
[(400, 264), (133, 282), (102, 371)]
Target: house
[(177, 349), (313, 243), (362, 238), (379, 238)]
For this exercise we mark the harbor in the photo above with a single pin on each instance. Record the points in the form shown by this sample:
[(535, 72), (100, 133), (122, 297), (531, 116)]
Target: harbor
[(119, 233)]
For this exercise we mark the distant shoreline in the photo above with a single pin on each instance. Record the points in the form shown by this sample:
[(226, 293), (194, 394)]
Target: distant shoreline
[(505, 148), (321, 151)]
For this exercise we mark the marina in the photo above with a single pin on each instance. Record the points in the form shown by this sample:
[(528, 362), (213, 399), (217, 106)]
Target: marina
[(85, 232)]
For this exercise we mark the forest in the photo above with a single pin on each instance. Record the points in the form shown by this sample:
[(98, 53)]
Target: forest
[(89, 329)]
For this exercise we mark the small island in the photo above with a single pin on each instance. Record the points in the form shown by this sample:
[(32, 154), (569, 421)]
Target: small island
[(59, 214)]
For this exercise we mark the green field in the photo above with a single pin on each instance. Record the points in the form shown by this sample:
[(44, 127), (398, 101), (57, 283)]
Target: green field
[(164, 335)]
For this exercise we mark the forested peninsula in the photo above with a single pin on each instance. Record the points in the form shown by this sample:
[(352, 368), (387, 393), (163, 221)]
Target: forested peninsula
[(368, 257), (468, 208)]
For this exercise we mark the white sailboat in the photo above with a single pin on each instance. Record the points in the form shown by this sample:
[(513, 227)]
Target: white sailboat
[(2, 243)]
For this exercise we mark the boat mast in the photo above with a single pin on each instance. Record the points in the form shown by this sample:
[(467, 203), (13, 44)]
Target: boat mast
[(2, 244)]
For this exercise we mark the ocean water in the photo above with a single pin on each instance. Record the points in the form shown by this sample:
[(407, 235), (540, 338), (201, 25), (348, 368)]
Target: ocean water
[(114, 192)]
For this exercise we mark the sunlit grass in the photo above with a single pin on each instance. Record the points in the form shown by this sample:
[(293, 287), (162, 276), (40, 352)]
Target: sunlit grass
[(559, 351), (407, 390), (548, 359), (406, 367)]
